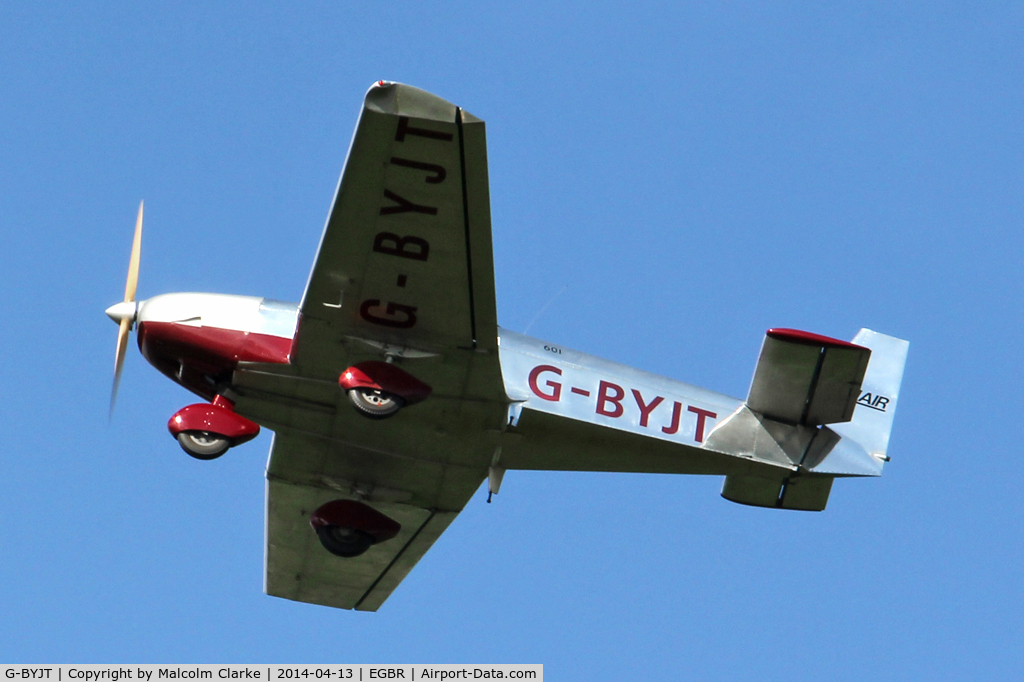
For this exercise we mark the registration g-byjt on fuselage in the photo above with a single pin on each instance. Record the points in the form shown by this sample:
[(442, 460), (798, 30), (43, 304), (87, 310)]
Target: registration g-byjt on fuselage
[(393, 394)]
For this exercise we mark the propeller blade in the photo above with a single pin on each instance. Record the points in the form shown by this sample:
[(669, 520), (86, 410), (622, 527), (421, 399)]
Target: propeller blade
[(122, 345), (120, 311), (133, 264)]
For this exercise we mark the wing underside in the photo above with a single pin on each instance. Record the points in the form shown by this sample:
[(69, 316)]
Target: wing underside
[(298, 568), (405, 257), (404, 272), (428, 498)]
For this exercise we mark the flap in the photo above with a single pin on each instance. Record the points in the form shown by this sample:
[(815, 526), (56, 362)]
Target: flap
[(808, 379)]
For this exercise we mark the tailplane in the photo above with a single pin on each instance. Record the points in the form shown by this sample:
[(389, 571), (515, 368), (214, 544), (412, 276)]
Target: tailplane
[(816, 410)]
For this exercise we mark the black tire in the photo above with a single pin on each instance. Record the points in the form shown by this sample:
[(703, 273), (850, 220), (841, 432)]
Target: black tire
[(374, 403), (203, 444), (344, 542)]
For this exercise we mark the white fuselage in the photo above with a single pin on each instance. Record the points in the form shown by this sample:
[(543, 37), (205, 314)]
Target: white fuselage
[(538, 375)]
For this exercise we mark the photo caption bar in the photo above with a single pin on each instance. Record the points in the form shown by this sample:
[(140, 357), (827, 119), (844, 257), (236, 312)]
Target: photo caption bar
[(405, 672)]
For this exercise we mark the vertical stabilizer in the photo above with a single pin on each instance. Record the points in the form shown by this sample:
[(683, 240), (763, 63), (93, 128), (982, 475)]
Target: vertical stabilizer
[(880, 390)]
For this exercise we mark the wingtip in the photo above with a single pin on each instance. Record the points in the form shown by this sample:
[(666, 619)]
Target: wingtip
[(398, 99)]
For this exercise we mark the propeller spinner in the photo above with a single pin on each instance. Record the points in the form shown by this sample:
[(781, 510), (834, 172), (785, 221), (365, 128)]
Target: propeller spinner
[(125, 312)]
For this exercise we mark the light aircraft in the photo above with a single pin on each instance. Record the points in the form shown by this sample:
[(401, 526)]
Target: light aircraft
[(393, 394)]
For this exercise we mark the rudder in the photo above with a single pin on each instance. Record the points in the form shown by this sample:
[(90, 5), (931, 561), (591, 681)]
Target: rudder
[(876, 406)]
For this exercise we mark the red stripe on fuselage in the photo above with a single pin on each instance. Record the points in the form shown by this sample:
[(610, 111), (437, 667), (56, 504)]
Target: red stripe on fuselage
[(205, 351), (808, 338)]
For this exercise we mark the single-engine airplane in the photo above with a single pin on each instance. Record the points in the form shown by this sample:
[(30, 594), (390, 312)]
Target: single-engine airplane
[(393, 394)]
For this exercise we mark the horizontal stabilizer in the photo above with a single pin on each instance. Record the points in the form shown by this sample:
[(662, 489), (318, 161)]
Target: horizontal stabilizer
[(807, 379), (803, 493)]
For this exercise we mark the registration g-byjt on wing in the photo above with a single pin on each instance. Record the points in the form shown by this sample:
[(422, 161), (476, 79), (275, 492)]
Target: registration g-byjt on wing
[(393, 394)]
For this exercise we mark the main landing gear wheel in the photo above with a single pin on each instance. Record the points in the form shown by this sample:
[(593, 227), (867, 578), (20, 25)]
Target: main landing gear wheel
[(344, 542), (203, 444), (374, 403)]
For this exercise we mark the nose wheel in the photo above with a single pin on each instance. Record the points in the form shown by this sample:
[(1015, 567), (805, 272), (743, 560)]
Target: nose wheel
[(375, 403), (203, 444)]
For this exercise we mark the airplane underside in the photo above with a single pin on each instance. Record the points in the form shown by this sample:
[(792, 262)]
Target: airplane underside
[(393, 394), (565, 410)]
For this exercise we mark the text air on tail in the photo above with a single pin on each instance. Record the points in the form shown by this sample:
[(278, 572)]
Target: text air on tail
[(818, 408), (880, 391)]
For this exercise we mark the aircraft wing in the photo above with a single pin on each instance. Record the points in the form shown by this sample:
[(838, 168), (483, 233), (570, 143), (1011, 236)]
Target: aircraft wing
[(404, 269), (425, 500), (405, 258)]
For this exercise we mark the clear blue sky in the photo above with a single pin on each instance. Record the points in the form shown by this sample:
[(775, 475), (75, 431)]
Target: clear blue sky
[(694, 175)]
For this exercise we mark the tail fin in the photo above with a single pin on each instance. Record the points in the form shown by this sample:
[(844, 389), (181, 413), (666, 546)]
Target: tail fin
[(880, 390), (853, 448)]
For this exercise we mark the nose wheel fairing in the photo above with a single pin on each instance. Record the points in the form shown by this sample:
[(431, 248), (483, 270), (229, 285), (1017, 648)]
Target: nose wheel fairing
[(207, 430)]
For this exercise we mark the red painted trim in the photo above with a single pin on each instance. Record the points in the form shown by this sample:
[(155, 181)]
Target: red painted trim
[(215, 419), (384, 376), (221, 401), (809, 339), (353, 514), (205, 351), (219, 346)]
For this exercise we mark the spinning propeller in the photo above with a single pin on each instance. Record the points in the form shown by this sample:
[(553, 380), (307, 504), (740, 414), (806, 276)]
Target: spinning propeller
[(125, 312)]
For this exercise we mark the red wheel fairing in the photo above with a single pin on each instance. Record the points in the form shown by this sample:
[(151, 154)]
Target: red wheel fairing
[(355, 515), (383, 376), (217, 418)]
